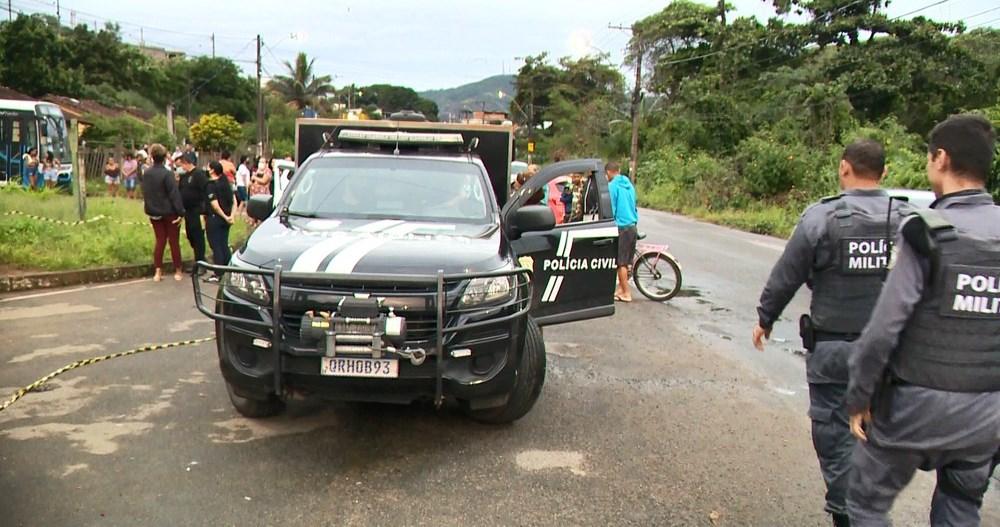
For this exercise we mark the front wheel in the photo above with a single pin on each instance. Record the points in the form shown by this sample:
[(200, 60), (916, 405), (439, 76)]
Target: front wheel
[(254, 408), (657, 275), (529, 377)]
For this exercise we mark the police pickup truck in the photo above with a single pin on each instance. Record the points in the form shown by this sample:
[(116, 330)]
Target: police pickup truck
[(396, 267)]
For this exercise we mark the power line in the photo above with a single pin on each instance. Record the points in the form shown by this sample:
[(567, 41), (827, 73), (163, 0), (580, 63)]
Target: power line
[(988, 22), (926, 7), (982, 13), (101, 18)]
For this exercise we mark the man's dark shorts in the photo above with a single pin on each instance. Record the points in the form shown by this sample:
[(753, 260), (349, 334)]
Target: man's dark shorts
[(626, 245)]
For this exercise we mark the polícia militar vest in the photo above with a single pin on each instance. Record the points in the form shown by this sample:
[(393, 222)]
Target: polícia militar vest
[(952, 340), (845, 288)]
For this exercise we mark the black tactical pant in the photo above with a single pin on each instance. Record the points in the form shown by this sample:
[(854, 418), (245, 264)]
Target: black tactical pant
[(826, 368), (879, 474), (195, 234)]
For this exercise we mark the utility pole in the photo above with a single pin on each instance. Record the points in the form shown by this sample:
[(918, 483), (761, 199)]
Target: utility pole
[(213, 45), (58, 14), (142, 39), (636, 101), (260, 105), (10, 12)]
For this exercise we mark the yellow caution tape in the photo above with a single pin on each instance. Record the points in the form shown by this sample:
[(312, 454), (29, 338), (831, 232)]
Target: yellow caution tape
[(99, 217), (87, 362)]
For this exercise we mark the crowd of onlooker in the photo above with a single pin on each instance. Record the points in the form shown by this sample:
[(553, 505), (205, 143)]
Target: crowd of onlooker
[(39, 170), (177, 189)]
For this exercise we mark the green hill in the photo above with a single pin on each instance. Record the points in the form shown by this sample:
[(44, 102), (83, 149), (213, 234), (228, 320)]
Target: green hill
[(472, 96)]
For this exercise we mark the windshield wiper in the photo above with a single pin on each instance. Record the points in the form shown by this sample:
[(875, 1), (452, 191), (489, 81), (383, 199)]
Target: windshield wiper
[(299, 214)]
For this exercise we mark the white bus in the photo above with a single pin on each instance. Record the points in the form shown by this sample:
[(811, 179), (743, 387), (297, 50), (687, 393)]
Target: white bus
[(32, 124)]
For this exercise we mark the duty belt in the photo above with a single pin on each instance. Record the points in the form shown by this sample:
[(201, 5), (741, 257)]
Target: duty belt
[(825, 336)]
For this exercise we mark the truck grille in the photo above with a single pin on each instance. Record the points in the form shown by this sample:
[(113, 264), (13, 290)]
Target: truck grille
[(420, 327)]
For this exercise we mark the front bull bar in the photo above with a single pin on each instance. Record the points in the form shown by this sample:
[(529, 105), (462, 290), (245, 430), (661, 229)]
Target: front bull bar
[(515, 308)]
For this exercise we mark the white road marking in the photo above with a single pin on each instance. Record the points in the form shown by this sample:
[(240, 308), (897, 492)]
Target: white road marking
[(49, 311), (73, 290), (347, 259), (67, 349), (533, 460)]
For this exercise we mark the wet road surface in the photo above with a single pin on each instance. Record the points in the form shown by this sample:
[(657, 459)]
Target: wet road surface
[(660, 415)]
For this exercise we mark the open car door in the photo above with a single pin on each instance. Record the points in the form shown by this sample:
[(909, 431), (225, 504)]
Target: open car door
[(574, 262)]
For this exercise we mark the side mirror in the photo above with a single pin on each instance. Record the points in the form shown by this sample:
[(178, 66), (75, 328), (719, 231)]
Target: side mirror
[(259, 207), (533, 218)]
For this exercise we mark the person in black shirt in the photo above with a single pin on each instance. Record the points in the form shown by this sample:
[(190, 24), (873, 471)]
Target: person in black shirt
[(163, 205), (193, 183), (220, 215)]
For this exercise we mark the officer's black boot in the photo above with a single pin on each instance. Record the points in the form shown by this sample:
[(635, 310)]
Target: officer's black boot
[(841, 520)]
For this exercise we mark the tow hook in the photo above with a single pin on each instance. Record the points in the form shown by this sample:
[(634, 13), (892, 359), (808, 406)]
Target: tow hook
[(416, 355)]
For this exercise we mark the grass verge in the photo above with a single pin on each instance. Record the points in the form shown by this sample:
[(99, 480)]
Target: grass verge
[(30, 244), (756, 217)]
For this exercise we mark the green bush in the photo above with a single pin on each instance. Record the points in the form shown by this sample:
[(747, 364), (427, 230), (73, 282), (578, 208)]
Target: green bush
[(768, 168), (905, 153)]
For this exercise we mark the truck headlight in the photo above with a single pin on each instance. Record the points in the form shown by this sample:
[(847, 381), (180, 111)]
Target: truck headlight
[(489, 290), (248, 286)]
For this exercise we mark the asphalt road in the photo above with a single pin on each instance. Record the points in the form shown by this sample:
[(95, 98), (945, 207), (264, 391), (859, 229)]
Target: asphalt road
[(661, 415)]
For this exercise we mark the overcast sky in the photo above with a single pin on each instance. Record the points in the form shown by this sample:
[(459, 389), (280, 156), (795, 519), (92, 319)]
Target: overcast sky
[(423, 44)]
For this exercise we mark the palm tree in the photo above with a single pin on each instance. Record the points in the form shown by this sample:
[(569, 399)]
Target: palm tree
[(300, 87)]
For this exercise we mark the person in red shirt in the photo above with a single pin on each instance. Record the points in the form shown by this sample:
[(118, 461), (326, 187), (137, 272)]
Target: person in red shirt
[(228, 168)]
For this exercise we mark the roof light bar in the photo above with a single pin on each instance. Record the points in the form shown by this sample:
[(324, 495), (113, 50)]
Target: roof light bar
[(412, 138)]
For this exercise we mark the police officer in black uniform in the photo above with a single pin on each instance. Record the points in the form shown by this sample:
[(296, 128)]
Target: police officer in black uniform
[(928, 364), (840, 248)]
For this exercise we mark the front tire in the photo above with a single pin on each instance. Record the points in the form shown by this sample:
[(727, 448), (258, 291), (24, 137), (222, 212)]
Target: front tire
[(657, 276), (529, 378), (254, 408)]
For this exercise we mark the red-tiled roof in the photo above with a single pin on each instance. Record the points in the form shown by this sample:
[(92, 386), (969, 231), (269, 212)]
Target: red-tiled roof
[(10, 93), (83, 107)]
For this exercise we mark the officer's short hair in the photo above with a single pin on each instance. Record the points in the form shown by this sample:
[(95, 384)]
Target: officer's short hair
[(970, 142), (612, 166), (866, 157), (158, 153)]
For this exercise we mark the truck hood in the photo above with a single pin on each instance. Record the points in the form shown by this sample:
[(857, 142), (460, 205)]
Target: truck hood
[(374, 246)]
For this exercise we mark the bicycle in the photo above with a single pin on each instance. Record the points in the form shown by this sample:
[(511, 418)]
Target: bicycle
[(655, 272)]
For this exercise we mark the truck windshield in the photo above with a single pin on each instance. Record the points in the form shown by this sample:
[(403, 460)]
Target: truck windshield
[(390, 188)]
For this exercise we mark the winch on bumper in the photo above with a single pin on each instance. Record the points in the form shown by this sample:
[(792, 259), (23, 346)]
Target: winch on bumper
[(384, 338)]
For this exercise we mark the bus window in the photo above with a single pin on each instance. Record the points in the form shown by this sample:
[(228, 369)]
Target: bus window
[(30, 132), (15, 131)]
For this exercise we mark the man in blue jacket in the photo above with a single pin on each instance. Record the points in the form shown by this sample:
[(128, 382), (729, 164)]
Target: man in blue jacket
[(626, 217)]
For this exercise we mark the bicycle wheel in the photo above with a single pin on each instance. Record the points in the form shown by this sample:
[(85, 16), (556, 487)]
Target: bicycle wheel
[(657, 275)]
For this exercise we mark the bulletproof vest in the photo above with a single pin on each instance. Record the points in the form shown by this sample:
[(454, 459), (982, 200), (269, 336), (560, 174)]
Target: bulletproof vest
[(846, 285), (952, 340)]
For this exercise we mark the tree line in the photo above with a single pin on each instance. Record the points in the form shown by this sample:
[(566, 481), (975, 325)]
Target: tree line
[(39, 56), (743, 114)]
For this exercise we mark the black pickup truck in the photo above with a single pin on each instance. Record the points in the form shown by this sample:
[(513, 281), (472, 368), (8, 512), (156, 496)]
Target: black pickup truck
[(396, 266)]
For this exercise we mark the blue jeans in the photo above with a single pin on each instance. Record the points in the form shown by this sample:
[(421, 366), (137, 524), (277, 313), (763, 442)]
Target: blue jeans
[(217, 230)]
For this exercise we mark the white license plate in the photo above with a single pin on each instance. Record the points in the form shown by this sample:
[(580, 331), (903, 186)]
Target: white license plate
[(350, 367)]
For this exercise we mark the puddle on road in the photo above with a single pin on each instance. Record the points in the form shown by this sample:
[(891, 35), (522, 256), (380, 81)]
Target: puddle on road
[(243, 430), (67, 349), (688, 293), (536, 460)]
